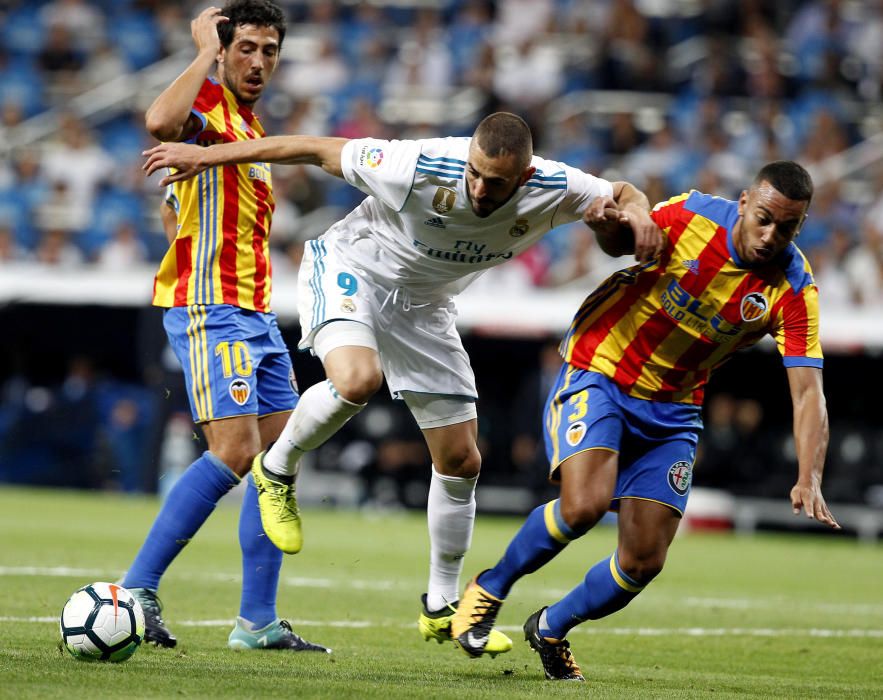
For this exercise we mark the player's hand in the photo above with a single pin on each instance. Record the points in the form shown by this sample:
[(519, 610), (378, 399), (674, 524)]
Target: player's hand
[(649, 238), (603, 216), (204, 30), (186, 158), (808, 496)]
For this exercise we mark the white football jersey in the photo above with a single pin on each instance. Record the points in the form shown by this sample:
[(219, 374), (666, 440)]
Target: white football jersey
[(417, 230)]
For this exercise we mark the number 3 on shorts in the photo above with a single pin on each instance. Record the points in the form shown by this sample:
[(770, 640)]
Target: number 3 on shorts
[(347, 283), (580, 405)]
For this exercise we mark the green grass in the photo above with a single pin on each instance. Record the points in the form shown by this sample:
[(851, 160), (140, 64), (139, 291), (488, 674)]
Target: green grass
[(729, 617)]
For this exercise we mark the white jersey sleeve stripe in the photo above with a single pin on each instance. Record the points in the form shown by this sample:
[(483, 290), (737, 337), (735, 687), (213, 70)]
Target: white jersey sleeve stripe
[(545, 186), (453, 175), (560, 176), (427, 160)]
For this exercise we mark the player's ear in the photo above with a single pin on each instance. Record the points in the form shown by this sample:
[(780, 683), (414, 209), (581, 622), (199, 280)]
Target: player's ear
[(527, 175), (743, 200)]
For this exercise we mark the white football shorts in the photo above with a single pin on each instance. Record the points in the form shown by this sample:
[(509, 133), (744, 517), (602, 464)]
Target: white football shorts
[(420, 349)]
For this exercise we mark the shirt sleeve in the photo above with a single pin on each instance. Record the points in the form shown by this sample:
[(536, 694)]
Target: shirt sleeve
[(665, 214), (582, 190), (796, 328), (204, 109), (383, 169)]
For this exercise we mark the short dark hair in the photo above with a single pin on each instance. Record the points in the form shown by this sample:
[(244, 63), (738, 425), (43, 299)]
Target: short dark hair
[(261, 13), (789, 178), (504, 133)]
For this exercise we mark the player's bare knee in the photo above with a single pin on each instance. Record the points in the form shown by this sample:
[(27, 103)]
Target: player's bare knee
[(236, 456), (643, 567), (464, 463), (582, 514), (357, 384)]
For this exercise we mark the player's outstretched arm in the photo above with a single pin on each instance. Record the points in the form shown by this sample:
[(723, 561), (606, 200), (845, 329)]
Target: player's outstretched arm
[(189, 160), (649, 239), (811, 439), (169, 117), (623, 225)]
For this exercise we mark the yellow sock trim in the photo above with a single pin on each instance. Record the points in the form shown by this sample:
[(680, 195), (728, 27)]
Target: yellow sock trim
[(620, 581), (551, 525)]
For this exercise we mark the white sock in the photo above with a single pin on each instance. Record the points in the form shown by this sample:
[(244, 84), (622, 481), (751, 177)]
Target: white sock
[(451, 514), (319, 413)]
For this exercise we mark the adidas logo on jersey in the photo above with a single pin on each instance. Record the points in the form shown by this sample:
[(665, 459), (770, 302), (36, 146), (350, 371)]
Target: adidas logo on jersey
[(691, 265), (435, 221)]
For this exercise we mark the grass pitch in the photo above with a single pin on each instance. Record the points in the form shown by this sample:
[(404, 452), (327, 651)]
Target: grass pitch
[(766, 616)]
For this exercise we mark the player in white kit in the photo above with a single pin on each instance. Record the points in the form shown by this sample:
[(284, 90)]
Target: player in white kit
[(375, 298)]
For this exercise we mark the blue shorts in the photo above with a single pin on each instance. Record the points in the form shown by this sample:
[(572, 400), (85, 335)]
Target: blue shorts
[(235, 361), (656, 441)]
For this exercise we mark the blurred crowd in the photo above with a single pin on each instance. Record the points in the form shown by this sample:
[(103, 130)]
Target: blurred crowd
[(88, 430), (671, 94)]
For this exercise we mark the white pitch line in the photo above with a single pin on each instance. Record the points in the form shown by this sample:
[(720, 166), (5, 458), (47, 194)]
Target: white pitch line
[(52, 571), (865, 609), (293, 581), (594, 631)]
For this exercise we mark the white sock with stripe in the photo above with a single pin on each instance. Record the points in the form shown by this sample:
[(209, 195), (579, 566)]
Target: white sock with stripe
[(319, 413), (450, 513)]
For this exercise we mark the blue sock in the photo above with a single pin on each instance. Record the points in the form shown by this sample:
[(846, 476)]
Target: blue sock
[(190, 501), (261, 563), (605, 589), (542, 536)]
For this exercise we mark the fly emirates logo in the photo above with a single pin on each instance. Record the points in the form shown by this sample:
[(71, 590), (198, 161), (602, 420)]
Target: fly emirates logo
[(686, 309), (470, 252)]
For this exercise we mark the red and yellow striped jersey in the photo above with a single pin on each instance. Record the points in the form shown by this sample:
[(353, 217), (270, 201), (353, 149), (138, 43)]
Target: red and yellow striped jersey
[(659, 329), (221, 254)]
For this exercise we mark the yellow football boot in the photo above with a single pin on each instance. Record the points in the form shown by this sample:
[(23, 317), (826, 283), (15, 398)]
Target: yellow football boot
[(472, 626), (278, 505)]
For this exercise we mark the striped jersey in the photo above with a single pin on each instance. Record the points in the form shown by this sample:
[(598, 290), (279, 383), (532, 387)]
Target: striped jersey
[(658, 330), (221, 254), (417, 229)]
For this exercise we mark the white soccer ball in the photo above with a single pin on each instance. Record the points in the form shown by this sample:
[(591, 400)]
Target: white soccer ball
[(102, 622)]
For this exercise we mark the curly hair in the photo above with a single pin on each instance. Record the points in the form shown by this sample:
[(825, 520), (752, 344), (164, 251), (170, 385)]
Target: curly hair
[(261, 13), (789, 178)]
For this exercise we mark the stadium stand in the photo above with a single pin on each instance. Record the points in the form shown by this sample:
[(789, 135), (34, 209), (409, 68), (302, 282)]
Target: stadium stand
[(668, 94)]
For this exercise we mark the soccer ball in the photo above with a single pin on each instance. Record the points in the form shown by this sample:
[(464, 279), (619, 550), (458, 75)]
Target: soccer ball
[(102, 622)]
